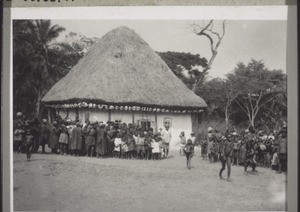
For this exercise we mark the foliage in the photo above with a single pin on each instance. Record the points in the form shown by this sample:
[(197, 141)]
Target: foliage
[(185, 66), (213, 93), (38, 62), (257, 87), (250, 96)]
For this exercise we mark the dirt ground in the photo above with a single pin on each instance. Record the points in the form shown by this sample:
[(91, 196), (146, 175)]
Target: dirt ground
[(65, 183)]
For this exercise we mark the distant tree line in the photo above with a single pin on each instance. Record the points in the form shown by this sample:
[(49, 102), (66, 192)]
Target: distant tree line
[(251, 95)]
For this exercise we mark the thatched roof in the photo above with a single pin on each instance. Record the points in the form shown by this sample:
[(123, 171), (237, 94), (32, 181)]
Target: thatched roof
[(122, 69)]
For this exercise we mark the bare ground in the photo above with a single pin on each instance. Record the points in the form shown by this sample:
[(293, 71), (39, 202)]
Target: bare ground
[(65, 183)]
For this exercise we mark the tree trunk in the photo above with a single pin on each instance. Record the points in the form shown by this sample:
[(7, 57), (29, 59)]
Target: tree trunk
[(200, 79), (226, 116), (252, 121), (49, 115), (38, 104)]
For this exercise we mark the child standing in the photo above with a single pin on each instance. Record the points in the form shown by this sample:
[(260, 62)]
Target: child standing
[(189, 152), (124, 147), (140, 145), (275, 160), (155, 148), (210, 150), (63, 140), (226, 156), (28, 144), (18, 137), (131, 145), (118, 143), (160, 155), (235, 149), (182, 142), (147, 145), (135, 139)]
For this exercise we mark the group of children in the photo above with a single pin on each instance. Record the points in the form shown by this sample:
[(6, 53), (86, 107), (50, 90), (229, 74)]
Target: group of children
[(29, 135), (143, 145)]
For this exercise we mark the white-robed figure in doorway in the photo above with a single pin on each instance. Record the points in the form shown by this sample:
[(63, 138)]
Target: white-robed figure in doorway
[(166, 139)]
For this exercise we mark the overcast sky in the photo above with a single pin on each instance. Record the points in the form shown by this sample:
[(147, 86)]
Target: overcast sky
[(260, 40)]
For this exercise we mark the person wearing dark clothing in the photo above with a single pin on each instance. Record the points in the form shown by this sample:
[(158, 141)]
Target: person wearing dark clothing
[(18, 137), (235, 149), (282, 150), (102, 141), (250, 153), (226, 156), (54, 137), (45, 134), (90, 140), (35, 131), (189, 152), (147, 146), (28, 144), (63, 140), (77, 136), (131, 145)]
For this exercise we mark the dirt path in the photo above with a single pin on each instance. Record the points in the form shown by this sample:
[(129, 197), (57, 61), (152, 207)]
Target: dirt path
[(53, 182)]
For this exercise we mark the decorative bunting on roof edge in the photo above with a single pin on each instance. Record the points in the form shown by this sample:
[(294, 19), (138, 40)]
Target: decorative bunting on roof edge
[(122, 108)]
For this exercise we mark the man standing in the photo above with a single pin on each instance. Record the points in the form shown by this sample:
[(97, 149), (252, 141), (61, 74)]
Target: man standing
[(193, 138), (250, 152), (90, 139), (35, 129), (166, 136), (235, 149), (101, 141), (76, 145), (282, 149), (54, 136), (45, 134), (226, 155)]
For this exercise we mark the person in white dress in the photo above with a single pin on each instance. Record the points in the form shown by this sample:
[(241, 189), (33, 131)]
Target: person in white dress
[(166, 139)]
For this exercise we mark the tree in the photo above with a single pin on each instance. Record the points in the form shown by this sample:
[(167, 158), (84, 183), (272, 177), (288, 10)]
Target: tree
[(257, 87), (215, 38), (79, 42), (38, 62), (219, 95), (274, 113), (184, 65)]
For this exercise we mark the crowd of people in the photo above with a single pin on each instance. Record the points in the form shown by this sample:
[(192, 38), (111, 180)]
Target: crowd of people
[(247, 148), (92, 139), (133, 141)]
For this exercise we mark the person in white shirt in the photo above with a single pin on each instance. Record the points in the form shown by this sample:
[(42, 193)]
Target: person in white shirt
[(155, 148), (182, 142), (117, 142), (166, 139)]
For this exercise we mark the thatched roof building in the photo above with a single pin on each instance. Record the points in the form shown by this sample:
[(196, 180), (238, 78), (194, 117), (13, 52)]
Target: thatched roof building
[(121, 71)]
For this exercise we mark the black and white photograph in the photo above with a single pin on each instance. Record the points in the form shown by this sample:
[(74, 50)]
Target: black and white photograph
[(149, 115)]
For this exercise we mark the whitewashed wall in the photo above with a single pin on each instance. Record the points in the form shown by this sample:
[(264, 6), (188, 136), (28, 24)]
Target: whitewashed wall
[(62, 113), (180, 122), (145, 116), (96, 115), (71, 113), (124, 116)]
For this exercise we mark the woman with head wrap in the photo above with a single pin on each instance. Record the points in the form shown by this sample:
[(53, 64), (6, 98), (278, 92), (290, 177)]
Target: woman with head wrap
[(54, 136)]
